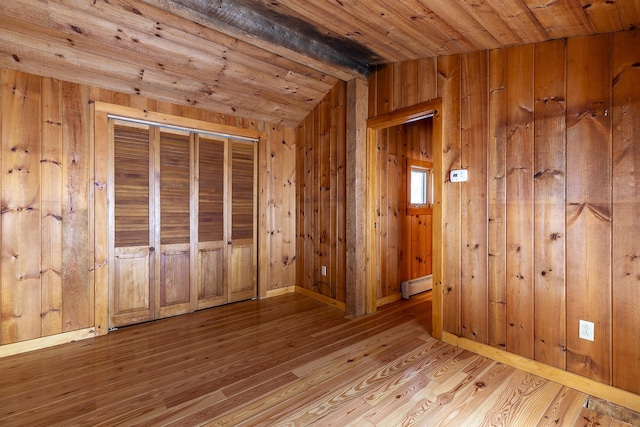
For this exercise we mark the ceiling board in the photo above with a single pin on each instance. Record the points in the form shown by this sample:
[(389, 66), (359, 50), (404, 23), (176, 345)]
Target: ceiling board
[(266, 59)]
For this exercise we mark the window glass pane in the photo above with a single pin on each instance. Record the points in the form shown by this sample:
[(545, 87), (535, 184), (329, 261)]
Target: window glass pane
[(418, 187)]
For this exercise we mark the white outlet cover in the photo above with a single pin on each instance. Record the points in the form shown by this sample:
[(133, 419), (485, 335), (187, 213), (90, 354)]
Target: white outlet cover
[(586, 330)]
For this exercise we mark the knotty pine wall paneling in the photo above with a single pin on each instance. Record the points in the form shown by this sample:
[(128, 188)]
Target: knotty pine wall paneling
[(320, 201), (520, 200), (275, 208), (51, 174), (47, 267), (474, 208), (448, 85), (21, 207), (338, 181), (322, 204), (497, 200), (78, 292), (626, 205), (279, 201), (588, 207), (288, 184), (560, 143), (549, 186)]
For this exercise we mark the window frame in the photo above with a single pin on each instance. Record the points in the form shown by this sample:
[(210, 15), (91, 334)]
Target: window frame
[(420, 209)]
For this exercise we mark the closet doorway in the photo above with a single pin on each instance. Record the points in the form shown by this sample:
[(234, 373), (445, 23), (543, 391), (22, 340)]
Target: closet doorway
[(182, 220)]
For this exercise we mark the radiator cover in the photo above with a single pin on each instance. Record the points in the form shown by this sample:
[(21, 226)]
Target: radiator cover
[(415, 286)]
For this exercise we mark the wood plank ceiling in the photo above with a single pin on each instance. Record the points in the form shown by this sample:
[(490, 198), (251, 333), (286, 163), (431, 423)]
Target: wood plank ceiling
[(265, 59)]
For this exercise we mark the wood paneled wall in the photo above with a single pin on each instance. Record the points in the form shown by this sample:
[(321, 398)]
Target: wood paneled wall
[(47, 232), (543, 234), (320, 200)]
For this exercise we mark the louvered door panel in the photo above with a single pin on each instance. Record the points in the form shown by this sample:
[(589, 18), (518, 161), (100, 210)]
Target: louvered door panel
[(212, 274), (131, 177), (175, 224), (243, 263), (133, 266)]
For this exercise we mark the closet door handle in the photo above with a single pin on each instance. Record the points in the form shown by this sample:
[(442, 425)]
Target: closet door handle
[(229, 242), (151, 249)]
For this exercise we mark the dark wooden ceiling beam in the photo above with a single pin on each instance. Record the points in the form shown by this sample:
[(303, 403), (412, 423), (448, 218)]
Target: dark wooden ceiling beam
[(289, 37)]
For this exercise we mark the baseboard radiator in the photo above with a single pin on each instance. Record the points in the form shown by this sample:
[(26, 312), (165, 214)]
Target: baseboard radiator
[(415, 286)]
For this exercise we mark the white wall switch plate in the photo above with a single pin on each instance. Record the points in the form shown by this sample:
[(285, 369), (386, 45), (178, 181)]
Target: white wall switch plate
[(586, 330), (458, 175), (323, 270)]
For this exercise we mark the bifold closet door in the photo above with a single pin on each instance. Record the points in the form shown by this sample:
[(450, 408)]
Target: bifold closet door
[(211, 246), (131, 297), (184, 222), (173, 290), (242, 245)]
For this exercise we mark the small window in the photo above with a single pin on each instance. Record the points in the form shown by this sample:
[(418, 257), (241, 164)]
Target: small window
[(419, 187)]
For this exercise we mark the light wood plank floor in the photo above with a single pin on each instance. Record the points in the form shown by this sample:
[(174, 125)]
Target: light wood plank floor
[(283, 361)]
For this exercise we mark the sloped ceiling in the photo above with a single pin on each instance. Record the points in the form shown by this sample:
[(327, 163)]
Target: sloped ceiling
[(268, 59)]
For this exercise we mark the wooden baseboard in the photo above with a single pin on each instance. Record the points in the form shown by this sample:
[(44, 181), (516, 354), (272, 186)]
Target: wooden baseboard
[(577, 382), (329, 301), (388, 299), (39, 343), (280, 291)]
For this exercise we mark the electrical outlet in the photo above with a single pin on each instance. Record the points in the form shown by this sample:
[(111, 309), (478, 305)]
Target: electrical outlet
[(586, 330), (323, 270)]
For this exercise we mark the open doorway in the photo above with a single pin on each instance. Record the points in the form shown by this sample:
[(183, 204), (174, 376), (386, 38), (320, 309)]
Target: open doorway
[(405, 207), (395, 250)]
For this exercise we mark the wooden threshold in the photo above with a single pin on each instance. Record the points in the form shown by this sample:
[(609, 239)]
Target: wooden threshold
[(286, 360)]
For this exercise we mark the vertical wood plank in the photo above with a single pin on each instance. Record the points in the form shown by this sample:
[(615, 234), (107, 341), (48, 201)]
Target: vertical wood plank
[(474, 215), (341, 187), (332, 190), (626, 203), (372, 93), (103, 164), (549, 195), (427, 79), (323, 250), (274, 206), (589, 204), (397, 86), (414, 245), (382, 213), (300, 202), (520, 209), (449, 91), (2, 201), (393, 229), (288, 183), (437, 225), (384, 94), (263, 225), (21, 207), (372, 209), (51, 189), (310, 196), (497, 221), (78, 297), (410, 81), (403, 221)]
